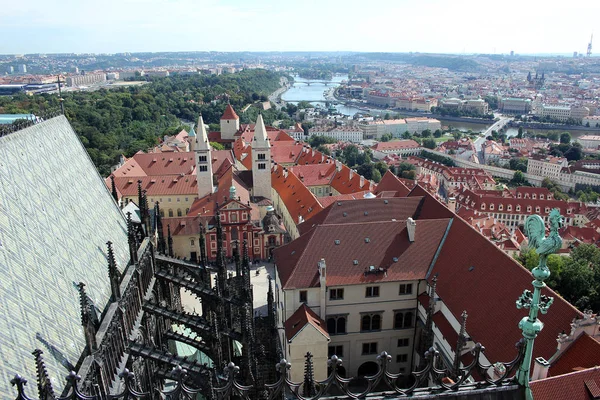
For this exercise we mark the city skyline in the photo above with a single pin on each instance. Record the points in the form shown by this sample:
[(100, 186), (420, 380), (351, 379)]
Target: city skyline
[(232, 25)]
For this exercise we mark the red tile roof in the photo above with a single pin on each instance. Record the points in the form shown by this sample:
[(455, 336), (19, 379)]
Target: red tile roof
[(299, 201), (390, 182), (314, 174), (229, 113), (490, 282), (158, 185), (353, 211), (445, 328), (300, 318), (580, 385), (395, 145), (328, 200), (583, 352), (380, 244), (165, 163), (285, 152)]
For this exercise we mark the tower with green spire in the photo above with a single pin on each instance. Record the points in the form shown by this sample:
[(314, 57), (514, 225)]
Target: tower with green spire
[(536, 301)]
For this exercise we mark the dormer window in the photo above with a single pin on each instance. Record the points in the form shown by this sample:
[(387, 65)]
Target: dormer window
[(491, 207), (533, 196), (518, 208), (537, 209), (509, 207), (500, 207), (483, 206), (528, 208)]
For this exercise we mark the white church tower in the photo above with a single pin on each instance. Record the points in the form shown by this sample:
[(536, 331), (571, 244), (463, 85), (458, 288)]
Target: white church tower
[(204, 172), (261, 160), (230, 123)]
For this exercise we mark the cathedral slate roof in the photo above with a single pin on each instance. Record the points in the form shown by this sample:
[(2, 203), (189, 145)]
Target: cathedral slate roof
[(56, 216)]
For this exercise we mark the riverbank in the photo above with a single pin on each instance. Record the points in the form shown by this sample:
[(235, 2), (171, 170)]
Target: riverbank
[(554, 127), (275, 97)]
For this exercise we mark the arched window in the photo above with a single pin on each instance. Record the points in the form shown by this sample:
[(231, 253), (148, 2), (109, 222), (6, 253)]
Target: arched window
[(403, 319), (336, 325), (341, 325), (170, 212), (179, 214), (365, 323), (234, 233), (370, 322)]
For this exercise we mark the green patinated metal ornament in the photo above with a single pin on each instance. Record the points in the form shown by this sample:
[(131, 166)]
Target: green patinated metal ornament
[(534, 301)]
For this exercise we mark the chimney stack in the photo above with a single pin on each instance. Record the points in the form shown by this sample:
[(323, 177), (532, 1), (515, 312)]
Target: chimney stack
[(452, 204), (540, 369), (411, 226), (323, 289)]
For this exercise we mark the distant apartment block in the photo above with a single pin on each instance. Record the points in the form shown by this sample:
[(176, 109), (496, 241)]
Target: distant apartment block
[(478, 106), (22, 69), (396, 127), (513, 105), (592, 120), (340, 133), (547, 166), (87, 79), (382, 98), (416, 103), (562, 112), (589, 141)]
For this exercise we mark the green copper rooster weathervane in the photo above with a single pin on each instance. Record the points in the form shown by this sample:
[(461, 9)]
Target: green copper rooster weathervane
[(531, 325)]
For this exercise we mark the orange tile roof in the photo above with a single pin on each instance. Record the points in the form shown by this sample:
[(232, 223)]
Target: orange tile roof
[(299, 201), (395, 145), (580, 385), (300, 318), (380, 244), (229, 113)]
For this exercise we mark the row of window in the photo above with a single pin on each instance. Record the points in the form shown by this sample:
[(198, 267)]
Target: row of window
[(370, 291), (336, 324)]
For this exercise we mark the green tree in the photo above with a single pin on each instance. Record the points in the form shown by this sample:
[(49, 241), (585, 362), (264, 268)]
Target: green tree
[(520, 133), (386, 137), (518, 178), (350, 155), (565, 138), (217, 146), (376, 176), (429, 143), (426, 133), (437, 133)]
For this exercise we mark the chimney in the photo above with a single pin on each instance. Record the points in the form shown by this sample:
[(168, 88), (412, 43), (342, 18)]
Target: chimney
[(540, 369), (452, 204), (351, 173), (362, 181), (338, 165), (323, 289), (411, 225)]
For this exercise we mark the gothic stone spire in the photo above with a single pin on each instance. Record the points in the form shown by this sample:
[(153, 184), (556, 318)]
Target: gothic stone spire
[(113, 273)]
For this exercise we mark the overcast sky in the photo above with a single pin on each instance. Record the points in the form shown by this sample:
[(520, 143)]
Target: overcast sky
[(435, 26)]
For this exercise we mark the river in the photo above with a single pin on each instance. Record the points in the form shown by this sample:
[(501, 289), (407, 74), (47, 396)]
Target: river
[(313, 91)]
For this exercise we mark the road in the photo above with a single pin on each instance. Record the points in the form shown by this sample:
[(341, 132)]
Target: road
[(275, 97), (482, 138)]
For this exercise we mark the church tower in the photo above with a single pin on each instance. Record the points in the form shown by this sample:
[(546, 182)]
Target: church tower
[(204, 172), (261, 160), (192, 139), (230, 123)]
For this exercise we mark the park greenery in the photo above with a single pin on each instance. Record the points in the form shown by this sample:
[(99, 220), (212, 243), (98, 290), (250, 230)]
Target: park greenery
[(575, 277), (128, 119)]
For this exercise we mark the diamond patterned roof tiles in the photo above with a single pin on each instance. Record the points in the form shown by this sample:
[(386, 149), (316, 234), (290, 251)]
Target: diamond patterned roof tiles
[(56, 215)]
